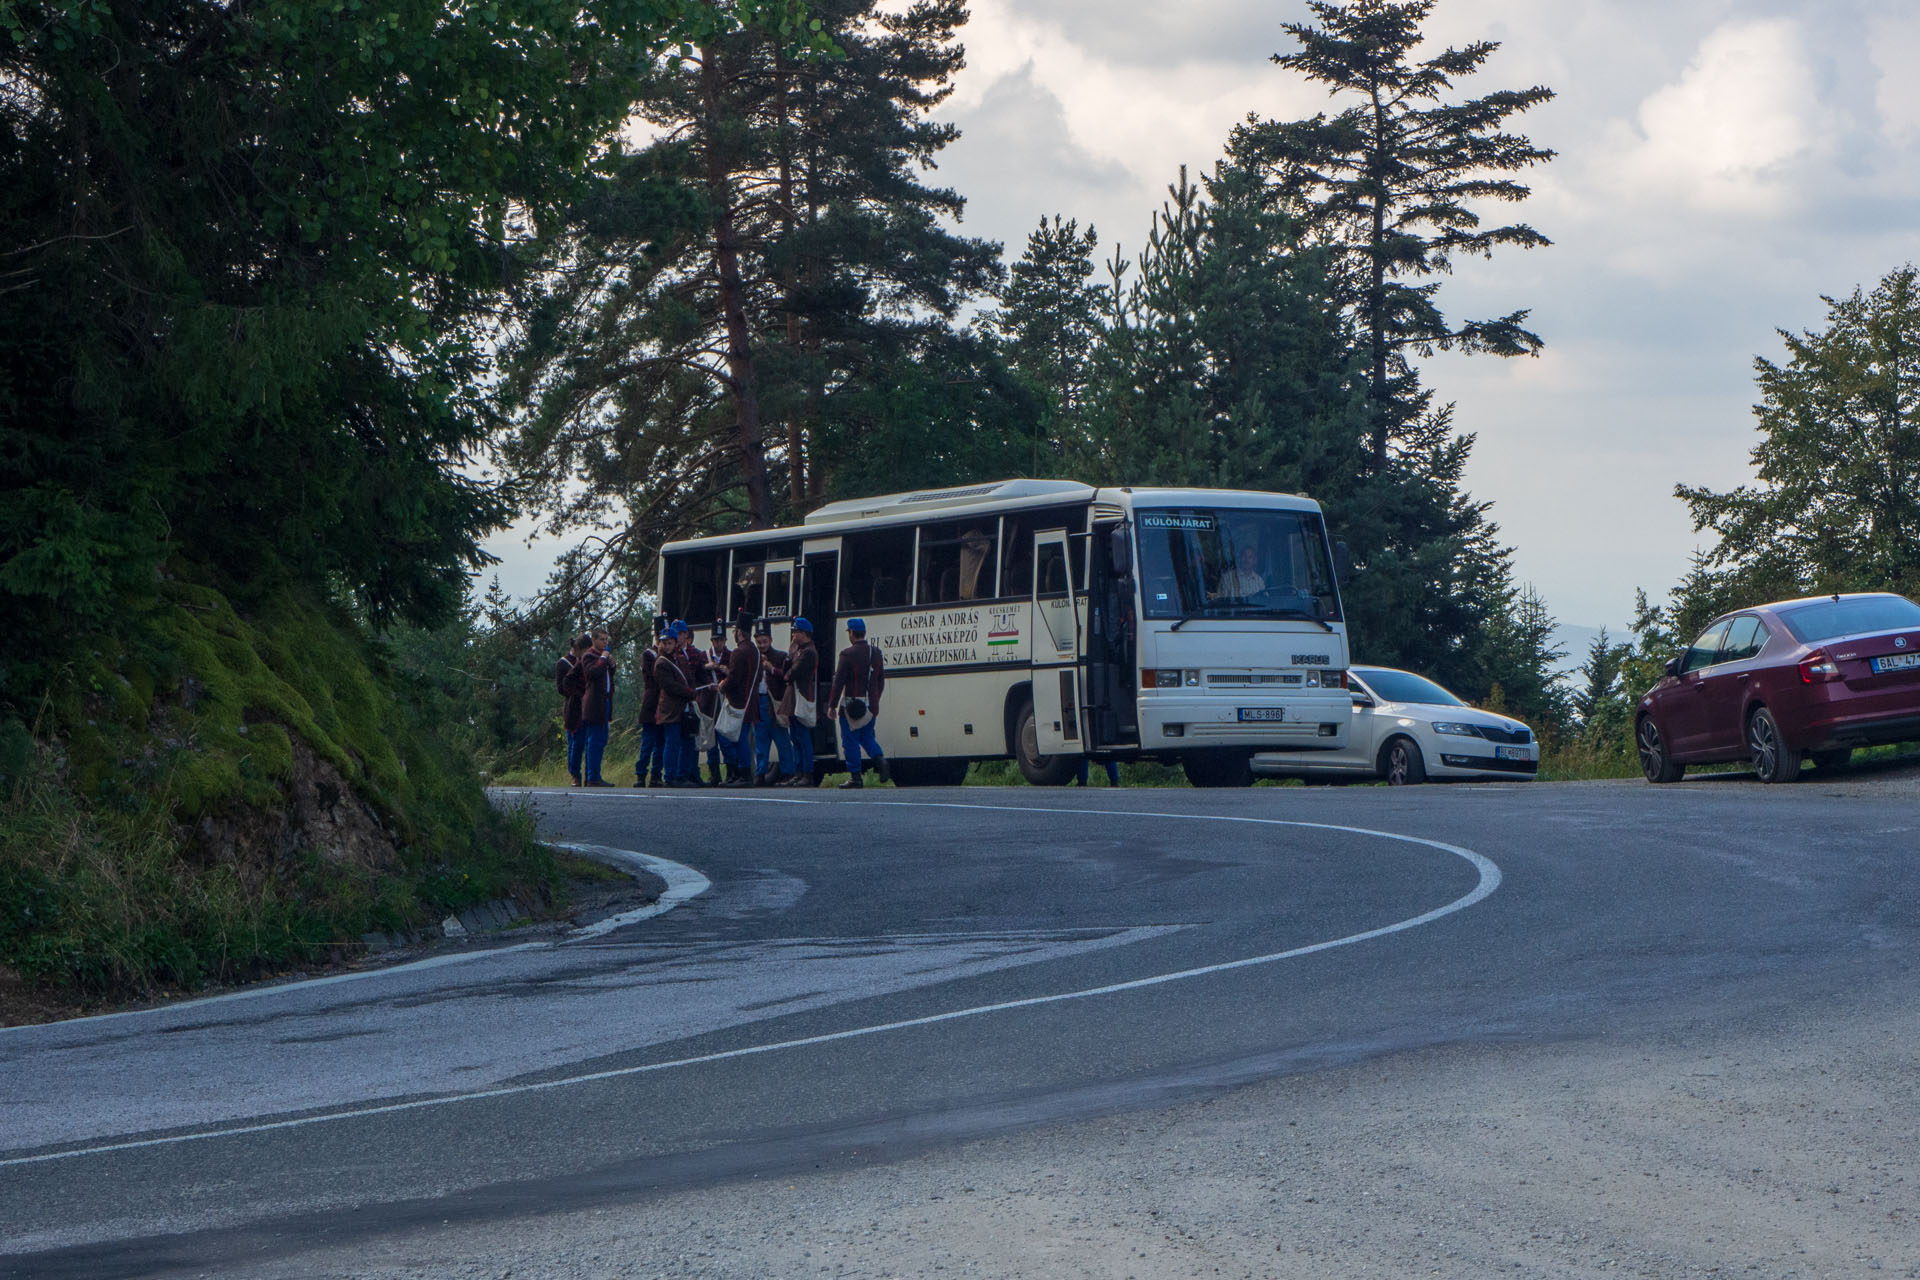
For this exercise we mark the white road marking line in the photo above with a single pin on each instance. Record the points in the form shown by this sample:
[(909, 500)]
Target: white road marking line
[(1488, 882), (683, 883)]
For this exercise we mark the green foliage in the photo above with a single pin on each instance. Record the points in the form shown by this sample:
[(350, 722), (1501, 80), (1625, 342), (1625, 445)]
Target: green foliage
[(754, 311), (1837, 503), (147, 839), (1051, 322), (1387, 184)]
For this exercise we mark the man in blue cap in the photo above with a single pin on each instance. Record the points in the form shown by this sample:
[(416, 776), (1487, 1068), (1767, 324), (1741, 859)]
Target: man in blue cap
[(798, 703), (646, 770), (690, 660), (858, 679)]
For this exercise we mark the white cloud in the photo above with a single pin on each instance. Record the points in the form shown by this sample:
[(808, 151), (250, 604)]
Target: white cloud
[(1895, 47), (1733, 133)]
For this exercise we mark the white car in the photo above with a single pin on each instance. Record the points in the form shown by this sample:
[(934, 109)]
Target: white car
[(1408, 729)]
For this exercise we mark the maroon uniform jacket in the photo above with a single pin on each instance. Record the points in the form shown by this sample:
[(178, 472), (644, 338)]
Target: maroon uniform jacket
[(743, 681), (802, 677), (676, 691), (568, 680), (649, 686), (596, 705), (860, 673)]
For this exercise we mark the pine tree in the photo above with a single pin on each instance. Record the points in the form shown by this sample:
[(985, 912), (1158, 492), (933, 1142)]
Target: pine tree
[(712, 362), (1222, 363), (252, 256), (1388, 183), (1050, 324)]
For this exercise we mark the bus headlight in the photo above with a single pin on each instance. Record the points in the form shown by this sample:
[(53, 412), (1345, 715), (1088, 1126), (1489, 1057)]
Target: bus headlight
[(1333, 678), (1159, 679)]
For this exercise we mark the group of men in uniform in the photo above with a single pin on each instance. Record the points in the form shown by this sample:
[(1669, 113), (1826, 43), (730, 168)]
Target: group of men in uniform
[(749, 707)]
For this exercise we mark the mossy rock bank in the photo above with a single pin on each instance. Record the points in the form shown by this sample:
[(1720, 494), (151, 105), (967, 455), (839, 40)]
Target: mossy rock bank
[(215, 794)]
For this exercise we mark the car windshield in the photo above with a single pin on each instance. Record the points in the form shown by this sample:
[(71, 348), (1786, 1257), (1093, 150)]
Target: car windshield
[(1235, 563), (1404, 686), (1830, 618)]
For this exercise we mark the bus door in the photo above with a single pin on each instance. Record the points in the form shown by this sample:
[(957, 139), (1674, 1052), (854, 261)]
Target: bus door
[(1056, 646), (776, 606), (1111, 716), (818, 590)]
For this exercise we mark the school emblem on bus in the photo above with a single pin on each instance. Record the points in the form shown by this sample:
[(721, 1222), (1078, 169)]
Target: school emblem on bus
[(1003, 630)]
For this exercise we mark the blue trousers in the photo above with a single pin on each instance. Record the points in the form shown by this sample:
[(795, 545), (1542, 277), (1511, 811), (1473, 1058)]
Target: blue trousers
[(1113, 773), (670, 752), (650, 753), (576, 750), (853, 741), (596, 736), (802, 749), (768, 735), (689, 752)]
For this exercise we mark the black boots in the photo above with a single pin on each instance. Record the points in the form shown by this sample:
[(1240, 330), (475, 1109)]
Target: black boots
[(854, 783)]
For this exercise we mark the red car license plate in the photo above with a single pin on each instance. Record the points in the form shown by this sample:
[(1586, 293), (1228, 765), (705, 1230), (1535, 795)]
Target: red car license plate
[(1896, 662)]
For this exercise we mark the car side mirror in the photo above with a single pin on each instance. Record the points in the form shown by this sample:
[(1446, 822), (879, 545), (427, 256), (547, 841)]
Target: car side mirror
[(1673, 666), (1342, 563), (1362, 700)]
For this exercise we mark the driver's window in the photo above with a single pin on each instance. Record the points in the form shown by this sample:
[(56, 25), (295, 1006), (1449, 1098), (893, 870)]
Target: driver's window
[(1704, 651)]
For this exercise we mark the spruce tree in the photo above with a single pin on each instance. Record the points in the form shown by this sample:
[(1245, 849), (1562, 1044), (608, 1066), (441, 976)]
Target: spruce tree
[(713, 362), (1390, 182), (1050, 324)]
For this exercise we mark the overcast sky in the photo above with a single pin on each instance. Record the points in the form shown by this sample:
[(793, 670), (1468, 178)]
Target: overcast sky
[(1721, 165)]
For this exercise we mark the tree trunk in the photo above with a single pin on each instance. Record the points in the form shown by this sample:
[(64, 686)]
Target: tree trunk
[(748, 444), (1377, 293), (796, 445)]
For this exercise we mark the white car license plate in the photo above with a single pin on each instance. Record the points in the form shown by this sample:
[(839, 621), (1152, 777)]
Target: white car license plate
[(1896, 662), (1263, 713), (1510, 753)]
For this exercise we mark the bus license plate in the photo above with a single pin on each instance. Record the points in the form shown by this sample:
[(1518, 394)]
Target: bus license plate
[(1263, 713), (1896, 662), (1510, 753)]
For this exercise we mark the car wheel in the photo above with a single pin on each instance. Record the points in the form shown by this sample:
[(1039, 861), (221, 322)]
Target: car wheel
[(1655, 761), (1838, 758), (1041, 771), (1773, 759), (1401, 763)]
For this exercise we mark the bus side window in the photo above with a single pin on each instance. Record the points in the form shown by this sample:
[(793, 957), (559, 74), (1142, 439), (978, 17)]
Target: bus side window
[(745, 597), (875, 570), (693, 586), (1016, 566), (956, 562)]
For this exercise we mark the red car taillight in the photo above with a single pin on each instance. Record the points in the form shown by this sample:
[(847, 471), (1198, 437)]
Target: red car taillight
[(1818, 669)]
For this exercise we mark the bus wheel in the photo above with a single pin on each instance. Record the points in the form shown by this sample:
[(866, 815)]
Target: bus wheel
[(1219, 768), (1041, 771)]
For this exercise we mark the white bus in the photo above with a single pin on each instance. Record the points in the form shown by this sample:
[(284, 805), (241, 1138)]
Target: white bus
[(1050, 621)]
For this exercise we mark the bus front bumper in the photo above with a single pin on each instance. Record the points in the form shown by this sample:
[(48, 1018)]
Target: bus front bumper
[(1171, 722)]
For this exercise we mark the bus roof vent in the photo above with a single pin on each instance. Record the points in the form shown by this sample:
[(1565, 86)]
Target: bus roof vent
[(1103, 511), (933, 499)]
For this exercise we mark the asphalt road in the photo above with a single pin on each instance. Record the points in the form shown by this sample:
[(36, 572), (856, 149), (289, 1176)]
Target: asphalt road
[(869, 976)]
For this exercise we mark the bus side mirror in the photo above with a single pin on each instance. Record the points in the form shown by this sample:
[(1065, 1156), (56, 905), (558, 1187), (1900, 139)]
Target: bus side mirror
[(1342, 563), (1119, 553)]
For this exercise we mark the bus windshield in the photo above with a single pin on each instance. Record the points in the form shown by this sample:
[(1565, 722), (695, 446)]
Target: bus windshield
[(1235, 563)]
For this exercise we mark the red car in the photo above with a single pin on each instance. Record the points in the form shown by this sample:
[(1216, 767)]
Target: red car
[(1816, 677)]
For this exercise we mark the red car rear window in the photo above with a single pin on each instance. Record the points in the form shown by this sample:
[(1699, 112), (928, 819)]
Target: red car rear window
[(1829, 618)]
